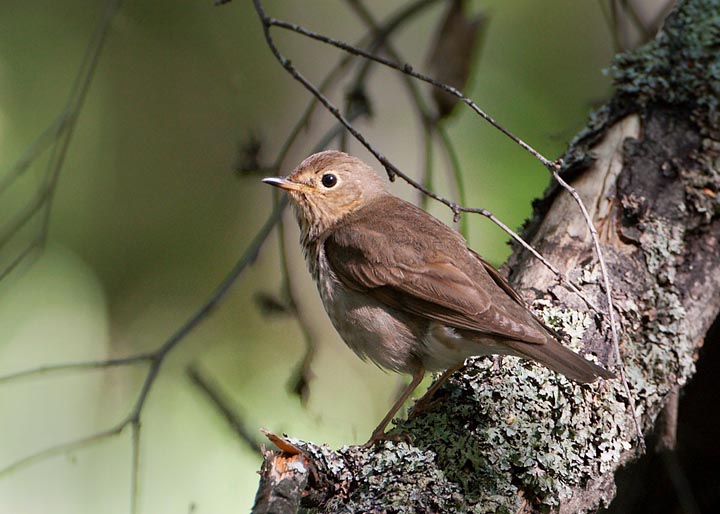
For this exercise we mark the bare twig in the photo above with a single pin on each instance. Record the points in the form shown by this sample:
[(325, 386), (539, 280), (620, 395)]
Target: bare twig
[(76, 366), (62, 448), (212, 393), (425, 116), (393, 22), (457, 174), (74, 106), (404, 68), (610, 308), (135, 466), (156, 360), (33, 151), (59, 134), (25, 215), (20, 258)]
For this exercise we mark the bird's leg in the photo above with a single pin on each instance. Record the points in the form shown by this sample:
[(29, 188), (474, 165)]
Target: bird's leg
[(379, 432), (424, 403)]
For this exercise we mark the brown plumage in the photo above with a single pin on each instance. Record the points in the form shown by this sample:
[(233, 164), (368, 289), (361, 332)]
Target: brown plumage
[(401, 287)]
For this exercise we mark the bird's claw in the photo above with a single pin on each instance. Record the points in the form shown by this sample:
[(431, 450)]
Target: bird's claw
[(383, 436), (424, 405)]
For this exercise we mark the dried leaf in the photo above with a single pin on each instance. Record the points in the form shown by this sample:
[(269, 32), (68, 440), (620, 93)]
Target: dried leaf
[(270, 305), (452, 53), (248, 156), (282, 443)]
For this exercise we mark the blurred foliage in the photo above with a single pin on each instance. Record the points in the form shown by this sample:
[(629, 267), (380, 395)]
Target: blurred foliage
[(149, 216)]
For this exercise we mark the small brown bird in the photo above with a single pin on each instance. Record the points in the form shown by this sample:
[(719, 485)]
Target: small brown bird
[(402, 288)]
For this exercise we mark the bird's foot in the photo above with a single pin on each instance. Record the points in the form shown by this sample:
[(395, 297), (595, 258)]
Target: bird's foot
[(377, 437), (424, 404), (427, 402)]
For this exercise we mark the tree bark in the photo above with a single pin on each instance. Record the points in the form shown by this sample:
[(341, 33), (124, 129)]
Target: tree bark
[(525, 439)]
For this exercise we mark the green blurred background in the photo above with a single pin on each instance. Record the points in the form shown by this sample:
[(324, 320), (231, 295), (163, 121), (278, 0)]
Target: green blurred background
[(149, 216)]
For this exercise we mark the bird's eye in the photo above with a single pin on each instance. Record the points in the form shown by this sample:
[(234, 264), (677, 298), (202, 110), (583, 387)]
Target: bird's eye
[(328, 180)]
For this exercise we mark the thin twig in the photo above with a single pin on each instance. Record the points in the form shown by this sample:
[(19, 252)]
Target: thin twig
[(404, 68), (37, 147), (610, 308), (156, 358), (74, 106), (425, 116), (221, 290), (61, 448), (20, 258), (427, 174), (25, 215), (393, 22), (537, 255), (75, 366), (59, 134), (457, 174), (135, 467), (212, 393)]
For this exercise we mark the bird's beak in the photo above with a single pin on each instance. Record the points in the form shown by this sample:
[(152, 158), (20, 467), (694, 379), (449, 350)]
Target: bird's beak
[(284, 184)]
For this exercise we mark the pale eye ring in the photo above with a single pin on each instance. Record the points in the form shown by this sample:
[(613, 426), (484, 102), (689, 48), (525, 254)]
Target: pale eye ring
[(329, 180)]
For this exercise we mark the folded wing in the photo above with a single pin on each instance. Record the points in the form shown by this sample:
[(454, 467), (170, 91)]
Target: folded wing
[(434, 276)]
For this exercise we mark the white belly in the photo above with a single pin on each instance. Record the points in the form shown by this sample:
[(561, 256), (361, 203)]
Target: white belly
[(372, 330), (445, 348)]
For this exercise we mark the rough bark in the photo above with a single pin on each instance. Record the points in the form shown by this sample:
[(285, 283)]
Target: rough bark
[(526, 439), (284, 477)]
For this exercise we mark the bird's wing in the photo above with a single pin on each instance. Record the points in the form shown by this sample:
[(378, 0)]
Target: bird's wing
[(391, 261), (505, 286), (499, 280)]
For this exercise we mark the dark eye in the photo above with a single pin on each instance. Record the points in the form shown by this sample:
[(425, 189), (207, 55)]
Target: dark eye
[(328, 180)]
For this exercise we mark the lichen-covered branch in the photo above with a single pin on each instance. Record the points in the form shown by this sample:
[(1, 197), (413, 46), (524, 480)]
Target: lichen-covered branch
[(525, 439)]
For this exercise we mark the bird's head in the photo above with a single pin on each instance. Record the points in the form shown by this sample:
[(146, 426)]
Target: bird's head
[(328, 186)]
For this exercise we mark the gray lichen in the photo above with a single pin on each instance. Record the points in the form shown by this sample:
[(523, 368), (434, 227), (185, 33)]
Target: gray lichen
[(398, 478), (570, 322), (680, 66), (502, 438), (662, 245), (525, 433), (702, 190)]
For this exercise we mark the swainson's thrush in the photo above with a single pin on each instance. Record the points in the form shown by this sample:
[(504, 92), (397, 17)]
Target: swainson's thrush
[(402, 288)]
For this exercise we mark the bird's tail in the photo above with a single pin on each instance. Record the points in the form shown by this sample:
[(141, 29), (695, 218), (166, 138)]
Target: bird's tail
[(561, 359)]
